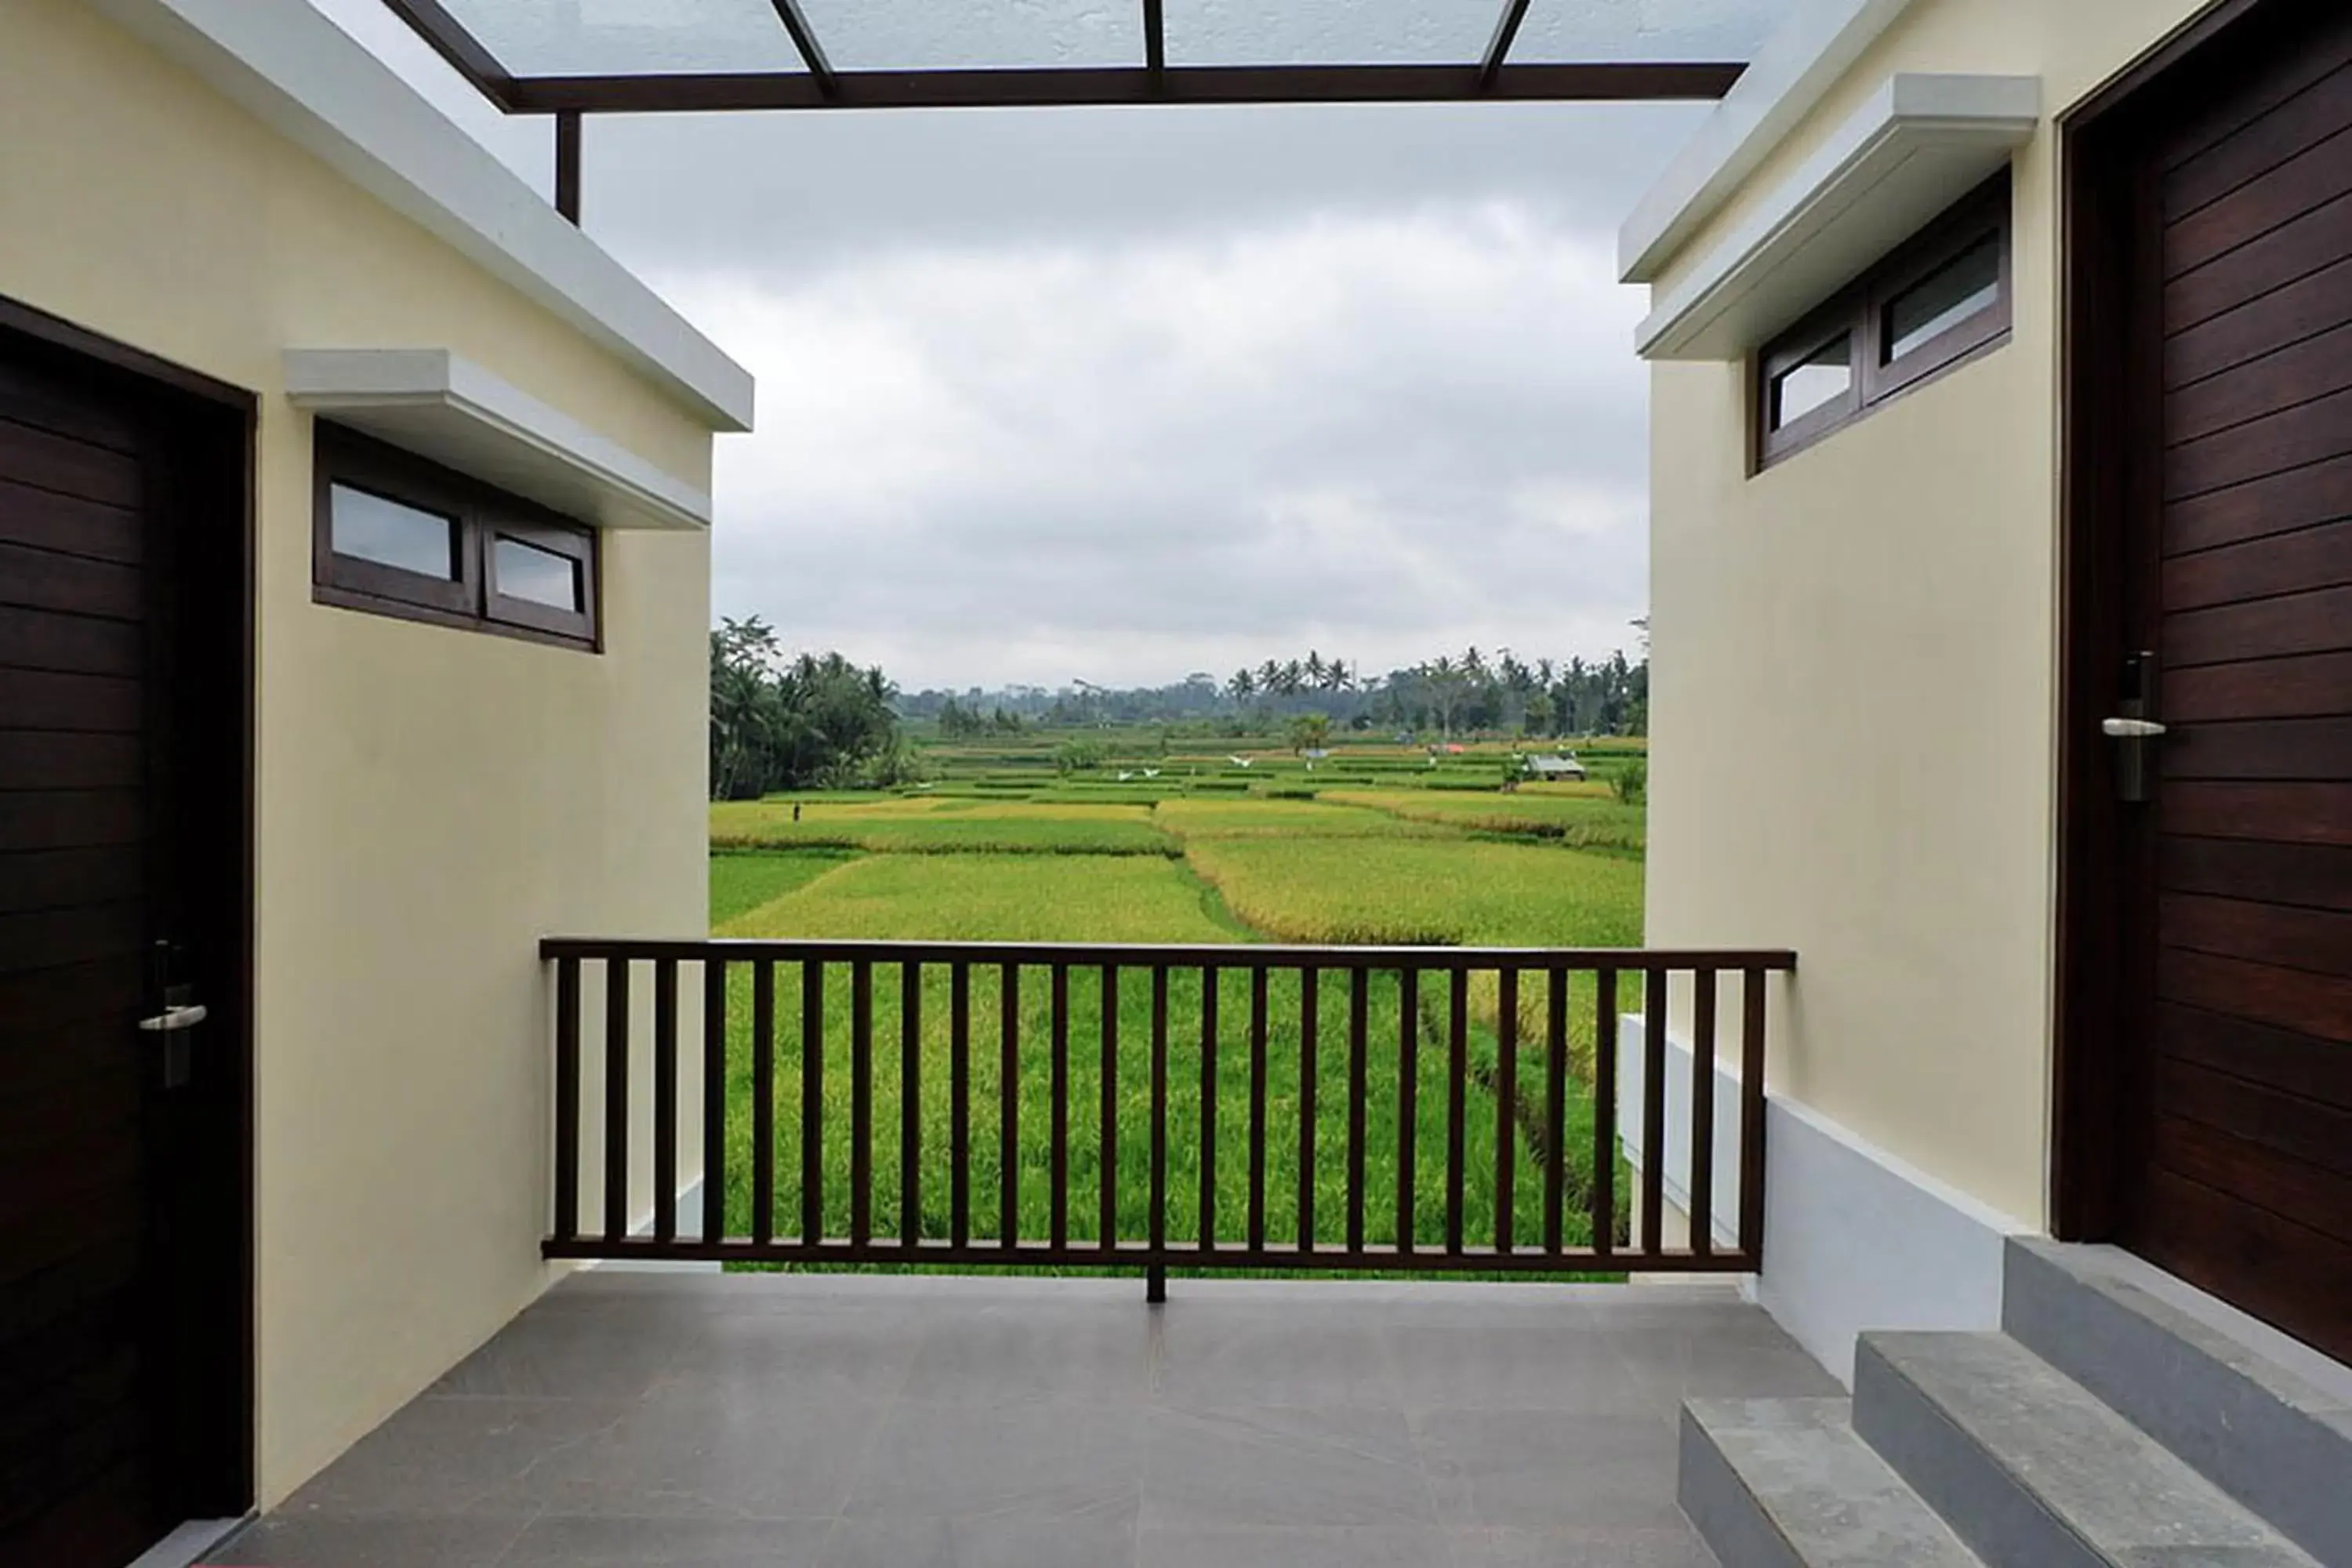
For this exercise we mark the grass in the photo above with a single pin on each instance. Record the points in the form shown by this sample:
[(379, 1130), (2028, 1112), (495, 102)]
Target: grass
[(1448, 892), (921, 825), (992, 897), (1375, 847), (1584, 816), (741, 883)]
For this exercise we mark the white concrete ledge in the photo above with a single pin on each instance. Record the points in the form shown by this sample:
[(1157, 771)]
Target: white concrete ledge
[(305, 77), (1818, 42), (1919, 145), (439, 405)]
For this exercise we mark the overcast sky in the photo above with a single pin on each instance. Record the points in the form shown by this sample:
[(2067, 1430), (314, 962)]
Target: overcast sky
[(1125, 393)]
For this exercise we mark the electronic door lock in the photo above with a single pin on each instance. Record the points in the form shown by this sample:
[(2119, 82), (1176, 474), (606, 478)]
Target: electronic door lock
[(2136, 729)]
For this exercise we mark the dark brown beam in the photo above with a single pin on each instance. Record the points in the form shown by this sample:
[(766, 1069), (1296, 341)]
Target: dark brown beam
[(1155, 39), (812, 52), (567, 165), (1506, 33), (430, 21), (1094, 87)]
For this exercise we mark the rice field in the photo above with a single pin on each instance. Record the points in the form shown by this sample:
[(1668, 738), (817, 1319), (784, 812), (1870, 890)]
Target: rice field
[(1270, 859)]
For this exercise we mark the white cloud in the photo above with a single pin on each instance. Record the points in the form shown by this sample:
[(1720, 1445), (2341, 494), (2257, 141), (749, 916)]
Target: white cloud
[(1374, 433)]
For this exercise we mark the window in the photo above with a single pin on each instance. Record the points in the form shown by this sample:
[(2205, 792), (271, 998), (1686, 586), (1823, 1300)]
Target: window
[(1939, 303), (401, 536)]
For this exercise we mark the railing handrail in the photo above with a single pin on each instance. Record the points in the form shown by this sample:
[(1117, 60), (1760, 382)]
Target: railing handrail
[(1431, 1193), (1186, 955)]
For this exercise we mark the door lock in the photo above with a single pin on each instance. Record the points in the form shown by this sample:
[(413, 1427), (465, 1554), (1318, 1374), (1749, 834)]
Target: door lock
[(2137, 728)]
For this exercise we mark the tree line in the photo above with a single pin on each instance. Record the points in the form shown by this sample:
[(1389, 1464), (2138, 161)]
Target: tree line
[(1465, 693), (809, 721)]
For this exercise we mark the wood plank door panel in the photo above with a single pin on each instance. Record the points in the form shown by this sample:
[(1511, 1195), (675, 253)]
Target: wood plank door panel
[(81, 1456), (2239, 1157)]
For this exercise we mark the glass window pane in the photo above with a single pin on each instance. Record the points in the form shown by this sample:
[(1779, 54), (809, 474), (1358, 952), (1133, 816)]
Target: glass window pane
[(1682, 31), (1968, 283), (634, 37), (523, 571), (1328, 32), (1821, 378), (933, 35), (370, 528)]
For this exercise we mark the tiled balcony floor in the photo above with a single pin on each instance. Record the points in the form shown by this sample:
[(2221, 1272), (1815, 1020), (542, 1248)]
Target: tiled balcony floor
[(720, 1421)]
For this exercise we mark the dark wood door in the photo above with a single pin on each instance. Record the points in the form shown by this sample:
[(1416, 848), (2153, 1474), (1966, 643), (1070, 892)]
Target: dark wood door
[(86, 866), (2242, 1153)]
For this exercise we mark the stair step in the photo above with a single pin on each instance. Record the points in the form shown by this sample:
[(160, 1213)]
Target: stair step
[(2033, 1471), (2278, 1443), (1785, 1483)]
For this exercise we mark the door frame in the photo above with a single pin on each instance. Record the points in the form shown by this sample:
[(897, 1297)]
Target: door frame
[(2107, 457), (208, 1418)]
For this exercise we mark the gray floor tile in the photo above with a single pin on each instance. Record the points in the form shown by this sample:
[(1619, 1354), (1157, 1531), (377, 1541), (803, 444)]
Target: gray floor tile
[(1101, 1354), (1035, 1460), (1746, 1361), (554, 1543), (1678, 1548), (1323, 1467), (454, 1457), (1221, 1358), (752, 1453), (1085, 1540), (1277, 1548), (289, 1543), (828, 1356), (1569, 1366), (555, 1354), (1550, 1471)]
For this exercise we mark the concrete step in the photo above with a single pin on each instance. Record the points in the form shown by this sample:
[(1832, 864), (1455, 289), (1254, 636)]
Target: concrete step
[(2032, 1471), (1785, 1483), (2267, 1420)]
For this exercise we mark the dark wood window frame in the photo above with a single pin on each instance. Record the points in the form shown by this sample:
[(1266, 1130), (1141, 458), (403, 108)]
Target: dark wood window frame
[(481, 513), (1859, 313)]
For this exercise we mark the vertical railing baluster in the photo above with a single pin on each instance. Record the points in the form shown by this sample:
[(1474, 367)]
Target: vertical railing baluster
[(959, 1103), (1653, 1114), (616, 1099), (1506, 1105), (1008, 1093), (861, 1102), (812, 1102), (1458, 1108), (567, 1098), (1702, 1171), (1209, 980), (1604, 1113), (1408, 1096), (1556, 1113), (764, 1102), (666, 1100), (910, 1105), (1156, 1280), (1359, 1029), (1751, 1117), (1059, 1107), (1110, 1238), (714, 1098), (1258, 983), (1307, 1028)]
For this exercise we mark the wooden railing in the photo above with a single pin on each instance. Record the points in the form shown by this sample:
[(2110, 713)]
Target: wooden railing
[(1421, 1109)]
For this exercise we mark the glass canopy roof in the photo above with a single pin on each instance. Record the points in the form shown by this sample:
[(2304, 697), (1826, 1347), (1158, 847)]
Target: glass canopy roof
[(590, 56)]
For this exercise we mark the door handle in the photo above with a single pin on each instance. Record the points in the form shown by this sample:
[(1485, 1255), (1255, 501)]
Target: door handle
[(2136, 728), (173, 1020)]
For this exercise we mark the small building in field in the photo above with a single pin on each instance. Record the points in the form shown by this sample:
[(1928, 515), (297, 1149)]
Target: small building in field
[(1563, 768)]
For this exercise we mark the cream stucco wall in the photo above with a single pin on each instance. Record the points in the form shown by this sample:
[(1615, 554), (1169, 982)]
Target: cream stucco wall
[(430, 801), (1855, 675)]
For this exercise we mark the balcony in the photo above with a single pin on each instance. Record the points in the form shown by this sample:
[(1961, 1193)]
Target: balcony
[(1337, 1122)]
